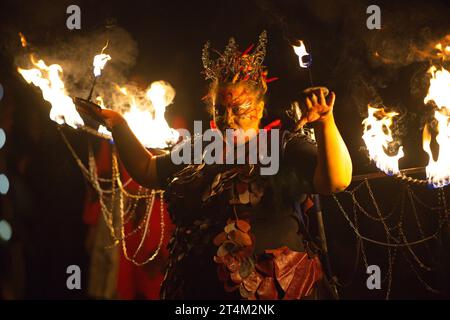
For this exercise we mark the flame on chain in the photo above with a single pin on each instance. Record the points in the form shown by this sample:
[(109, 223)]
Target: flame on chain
[(443, 50), (48, 79), (23, 40), (146, 118), (378, 139), (438, 171)]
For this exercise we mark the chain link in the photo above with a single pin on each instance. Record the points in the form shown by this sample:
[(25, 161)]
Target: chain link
[(118, 193), (393, 243)]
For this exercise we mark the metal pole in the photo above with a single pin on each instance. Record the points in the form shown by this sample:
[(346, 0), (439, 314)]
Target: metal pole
[(380, 174), (323, 244), (92, 89)]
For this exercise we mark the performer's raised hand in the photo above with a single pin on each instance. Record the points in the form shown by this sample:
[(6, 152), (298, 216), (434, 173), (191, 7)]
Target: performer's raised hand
[(316, 106)]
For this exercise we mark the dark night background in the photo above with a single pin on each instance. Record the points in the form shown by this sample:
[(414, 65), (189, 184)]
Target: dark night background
[(45, 200)]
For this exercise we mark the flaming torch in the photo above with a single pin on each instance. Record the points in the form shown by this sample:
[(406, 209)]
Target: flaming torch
[(99, 63), (378, 139), (23, 40), (146, 117), (85, 106), (379, 142), (48, 79), (304, 58), (305, 62), (438, 171)]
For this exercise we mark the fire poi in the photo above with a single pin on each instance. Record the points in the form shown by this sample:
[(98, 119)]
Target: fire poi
[(379, 140), (144, 120)]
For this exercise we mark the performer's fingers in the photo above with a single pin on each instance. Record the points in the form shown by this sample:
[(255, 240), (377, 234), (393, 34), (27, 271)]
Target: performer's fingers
[(314, 98), (322, 97), (309, 103), (301, 123), (331, 99)]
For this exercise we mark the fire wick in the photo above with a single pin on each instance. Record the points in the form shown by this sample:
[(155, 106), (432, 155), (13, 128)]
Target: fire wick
[(100, 65)]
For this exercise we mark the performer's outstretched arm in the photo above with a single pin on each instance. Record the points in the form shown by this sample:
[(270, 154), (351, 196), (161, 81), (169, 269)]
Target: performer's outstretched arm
[(138, 161), (333, 172)]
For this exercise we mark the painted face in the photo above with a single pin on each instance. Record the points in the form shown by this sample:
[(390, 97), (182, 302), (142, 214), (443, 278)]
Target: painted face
[(237, 107)]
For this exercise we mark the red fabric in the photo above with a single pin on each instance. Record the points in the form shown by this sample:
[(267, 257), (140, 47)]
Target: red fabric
[(274, 124), (295, 272), (91, 210), (144, 282), (178, 123), (133, 281), (307, 204)]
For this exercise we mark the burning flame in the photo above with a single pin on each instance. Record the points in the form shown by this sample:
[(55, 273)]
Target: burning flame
[(102, 129), (145, 116), (48, 79), (301, 52), (443, 51), (439, 90), (122, 90), (23, 40), (147, 121), (100, 102), (100, 61), (438, 171), (378, 137)]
